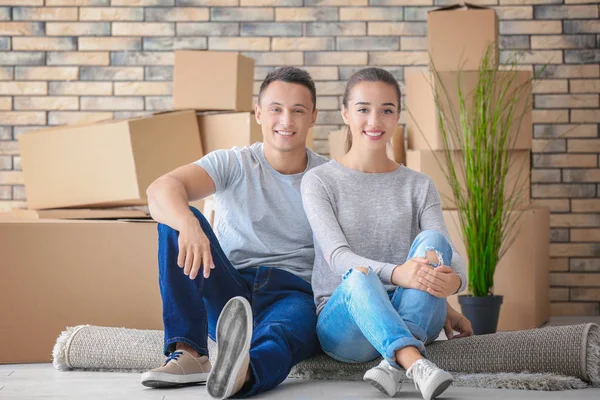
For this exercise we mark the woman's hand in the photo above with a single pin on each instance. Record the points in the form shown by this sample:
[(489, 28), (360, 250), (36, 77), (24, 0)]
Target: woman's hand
[(407, 274), (440, 282)]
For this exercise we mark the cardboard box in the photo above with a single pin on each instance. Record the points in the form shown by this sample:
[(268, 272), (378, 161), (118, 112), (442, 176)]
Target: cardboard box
[(136, 213), (81, 213), (458, 36), (107, 164), (428, 162), (422, 121), (395, 151), (198, 86), (56, 274), (226, 130), (522, 275), (337, 143)]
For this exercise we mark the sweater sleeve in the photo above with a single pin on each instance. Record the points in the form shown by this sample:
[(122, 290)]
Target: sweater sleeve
[(432, 218), (329, 235)]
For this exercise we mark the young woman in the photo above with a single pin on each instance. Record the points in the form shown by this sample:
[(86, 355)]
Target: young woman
[(383, 262)]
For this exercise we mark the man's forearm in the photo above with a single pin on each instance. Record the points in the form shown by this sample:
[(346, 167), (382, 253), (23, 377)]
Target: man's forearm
[(168, 203)]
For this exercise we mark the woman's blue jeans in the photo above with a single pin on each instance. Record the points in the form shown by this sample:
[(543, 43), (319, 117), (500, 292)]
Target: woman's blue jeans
[(362, 321)]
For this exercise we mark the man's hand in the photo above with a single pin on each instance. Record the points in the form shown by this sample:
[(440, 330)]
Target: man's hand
[(194, 249), (455, 321), (406, 275), (440, 282)]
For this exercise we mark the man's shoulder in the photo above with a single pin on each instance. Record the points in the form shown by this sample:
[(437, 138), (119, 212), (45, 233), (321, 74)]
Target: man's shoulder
[(243, 155), (317, 159), (250, 152)]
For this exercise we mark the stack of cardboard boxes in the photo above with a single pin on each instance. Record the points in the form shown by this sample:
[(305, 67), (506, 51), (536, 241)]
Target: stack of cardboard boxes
[(85, 250), (522, 276)]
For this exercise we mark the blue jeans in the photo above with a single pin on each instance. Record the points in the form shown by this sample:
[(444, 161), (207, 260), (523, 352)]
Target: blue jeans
[(282, 305), (362, 321)]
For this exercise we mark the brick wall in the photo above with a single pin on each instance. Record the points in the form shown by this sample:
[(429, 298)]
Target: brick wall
[(65, 61)]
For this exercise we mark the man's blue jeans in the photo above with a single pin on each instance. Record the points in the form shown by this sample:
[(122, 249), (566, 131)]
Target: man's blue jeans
[(282, 304), (362, 321)]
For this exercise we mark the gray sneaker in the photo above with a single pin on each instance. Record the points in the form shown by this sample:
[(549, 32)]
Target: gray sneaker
[(385, 378), (180, 368), (234, 332), (429, 379)]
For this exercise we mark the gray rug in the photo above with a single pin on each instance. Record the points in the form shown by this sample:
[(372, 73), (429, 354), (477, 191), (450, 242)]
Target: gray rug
[(551, 358)]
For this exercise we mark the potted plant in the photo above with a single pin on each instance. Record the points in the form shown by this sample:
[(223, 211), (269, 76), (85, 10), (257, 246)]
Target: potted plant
[(484, 127)]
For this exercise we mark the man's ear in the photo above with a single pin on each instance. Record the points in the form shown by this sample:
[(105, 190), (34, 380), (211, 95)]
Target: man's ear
[(257, 113), (345, 115), (314, 117)]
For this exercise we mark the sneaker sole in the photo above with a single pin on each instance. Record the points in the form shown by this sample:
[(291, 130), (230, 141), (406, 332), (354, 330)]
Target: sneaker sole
[(378, 386), (441, 388), (371, 377), (164, 380), (234, 332)]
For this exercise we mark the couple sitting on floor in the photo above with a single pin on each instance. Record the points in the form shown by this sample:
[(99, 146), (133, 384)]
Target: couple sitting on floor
[(350, 256)]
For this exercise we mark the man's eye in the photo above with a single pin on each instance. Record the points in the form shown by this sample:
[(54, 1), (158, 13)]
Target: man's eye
[(275, 109), (299, 111)]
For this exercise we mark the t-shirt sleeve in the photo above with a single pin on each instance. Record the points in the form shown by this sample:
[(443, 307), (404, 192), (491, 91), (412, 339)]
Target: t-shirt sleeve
[(432, 218), (223, 166), (329, 235)]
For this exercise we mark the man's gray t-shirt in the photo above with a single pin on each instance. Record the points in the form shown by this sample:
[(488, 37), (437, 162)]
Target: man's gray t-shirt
[(368, 219), (259, 218)]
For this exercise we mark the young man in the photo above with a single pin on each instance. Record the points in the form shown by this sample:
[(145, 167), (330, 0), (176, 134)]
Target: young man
[(247, 283)]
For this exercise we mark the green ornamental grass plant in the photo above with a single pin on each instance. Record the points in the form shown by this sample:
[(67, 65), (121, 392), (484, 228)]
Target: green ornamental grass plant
[(481, 127)]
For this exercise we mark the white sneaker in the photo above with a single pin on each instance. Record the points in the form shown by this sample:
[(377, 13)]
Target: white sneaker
[(428, 378), (385, 378), (234, 333)]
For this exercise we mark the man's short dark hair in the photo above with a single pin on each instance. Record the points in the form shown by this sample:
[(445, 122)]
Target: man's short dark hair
[(290, 75)]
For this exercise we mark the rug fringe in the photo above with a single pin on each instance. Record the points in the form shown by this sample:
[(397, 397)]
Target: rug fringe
[(520, 381)]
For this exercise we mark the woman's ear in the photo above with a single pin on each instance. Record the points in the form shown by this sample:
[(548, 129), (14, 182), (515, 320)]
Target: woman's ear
[(345, 115)]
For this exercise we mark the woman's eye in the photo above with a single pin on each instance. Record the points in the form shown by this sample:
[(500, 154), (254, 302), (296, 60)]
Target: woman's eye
[(388, 111), (362, 110)]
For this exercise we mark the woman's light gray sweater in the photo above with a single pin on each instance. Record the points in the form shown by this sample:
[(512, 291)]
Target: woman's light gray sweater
[(368, 219)]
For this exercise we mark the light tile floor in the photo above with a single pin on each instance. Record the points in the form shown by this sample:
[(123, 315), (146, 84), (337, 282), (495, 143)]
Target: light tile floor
[(42, 381)]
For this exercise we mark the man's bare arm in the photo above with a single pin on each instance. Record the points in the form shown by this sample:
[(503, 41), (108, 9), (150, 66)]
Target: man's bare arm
[(169, 195)]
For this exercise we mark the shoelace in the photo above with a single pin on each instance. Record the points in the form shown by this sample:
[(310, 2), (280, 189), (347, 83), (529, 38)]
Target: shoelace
[(173, 356), (423, 370)]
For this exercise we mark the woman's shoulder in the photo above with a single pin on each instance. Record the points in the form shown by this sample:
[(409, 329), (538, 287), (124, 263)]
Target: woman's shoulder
[(410, 174), (321, 175), (320, 171)]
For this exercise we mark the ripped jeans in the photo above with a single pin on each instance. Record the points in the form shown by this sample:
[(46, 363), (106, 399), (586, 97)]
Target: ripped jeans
[(362, 321)]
